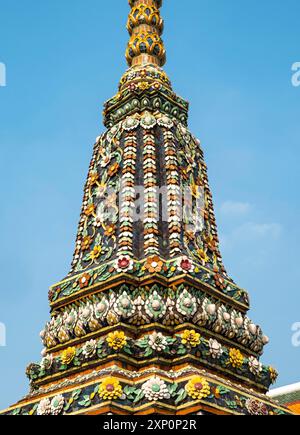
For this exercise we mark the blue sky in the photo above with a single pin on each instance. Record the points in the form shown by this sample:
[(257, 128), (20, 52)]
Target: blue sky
[(232, 60)]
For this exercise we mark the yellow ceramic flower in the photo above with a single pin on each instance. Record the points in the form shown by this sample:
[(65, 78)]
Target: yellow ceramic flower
[(144, 86), (96, 252), (93, 178), (236, 358), (68, 355), (203, 256), (116, 340), (89, 210), (191, 338), (273, 374), (110, 389), (198, 388)]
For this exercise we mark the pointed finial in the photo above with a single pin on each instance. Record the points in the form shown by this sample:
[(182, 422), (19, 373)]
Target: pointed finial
[(145, 27)]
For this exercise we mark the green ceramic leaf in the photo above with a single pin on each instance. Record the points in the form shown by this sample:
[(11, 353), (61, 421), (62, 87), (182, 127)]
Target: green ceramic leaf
[(181, 395), (140, 395)]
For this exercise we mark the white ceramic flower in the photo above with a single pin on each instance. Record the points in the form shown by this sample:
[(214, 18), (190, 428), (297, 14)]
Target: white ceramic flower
[(185, 265), (71, 319), (254, 365), (44, 407), (155, 389), (124, 264), (86, 313), (89, 349), (57, 405), (47, 362), (158, 342), (215, 348), (105, 160)]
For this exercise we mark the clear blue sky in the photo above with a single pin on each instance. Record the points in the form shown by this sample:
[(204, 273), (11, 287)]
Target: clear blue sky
[(232, 60)]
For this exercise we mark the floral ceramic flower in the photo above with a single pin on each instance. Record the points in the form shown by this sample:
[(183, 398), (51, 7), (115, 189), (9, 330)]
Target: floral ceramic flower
[(202, 255), (254, 365), (185, 265), (105, 160), (86, 243), (236, 358), (186, 304), (85, 313), (154, 264), (190, 338), (155, 389), (44, 407), (124, 305), (155, 306), (109, 230), (220, 281), (116, 340), (273, 374), (110, 389), (157, 341), (143, 73), (211, 242), (47, 362), (124, 264), (57, 405), (254, 407), (113, 169), (96, 252), (98, 220), (157, 86), (71, 319), (84, 280), (144, 86), (198, 388), (132, 87), (101, 189), (93, 178), (89, 210), (215, 348), (68, 355), (89, 349)]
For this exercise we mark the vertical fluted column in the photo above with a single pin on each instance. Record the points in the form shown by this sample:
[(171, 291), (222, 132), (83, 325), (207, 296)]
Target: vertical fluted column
[(127, 195), (151, 243)]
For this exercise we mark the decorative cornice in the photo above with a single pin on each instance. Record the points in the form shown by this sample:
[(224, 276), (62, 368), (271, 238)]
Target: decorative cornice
[(131, 392), (139, 347)]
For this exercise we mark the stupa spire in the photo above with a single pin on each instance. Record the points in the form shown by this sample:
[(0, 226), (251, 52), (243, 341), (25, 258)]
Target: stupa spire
[(148, 321), (145, 27)]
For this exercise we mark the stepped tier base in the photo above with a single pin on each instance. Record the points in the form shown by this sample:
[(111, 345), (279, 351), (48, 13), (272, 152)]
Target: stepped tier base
[(113, 389)]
